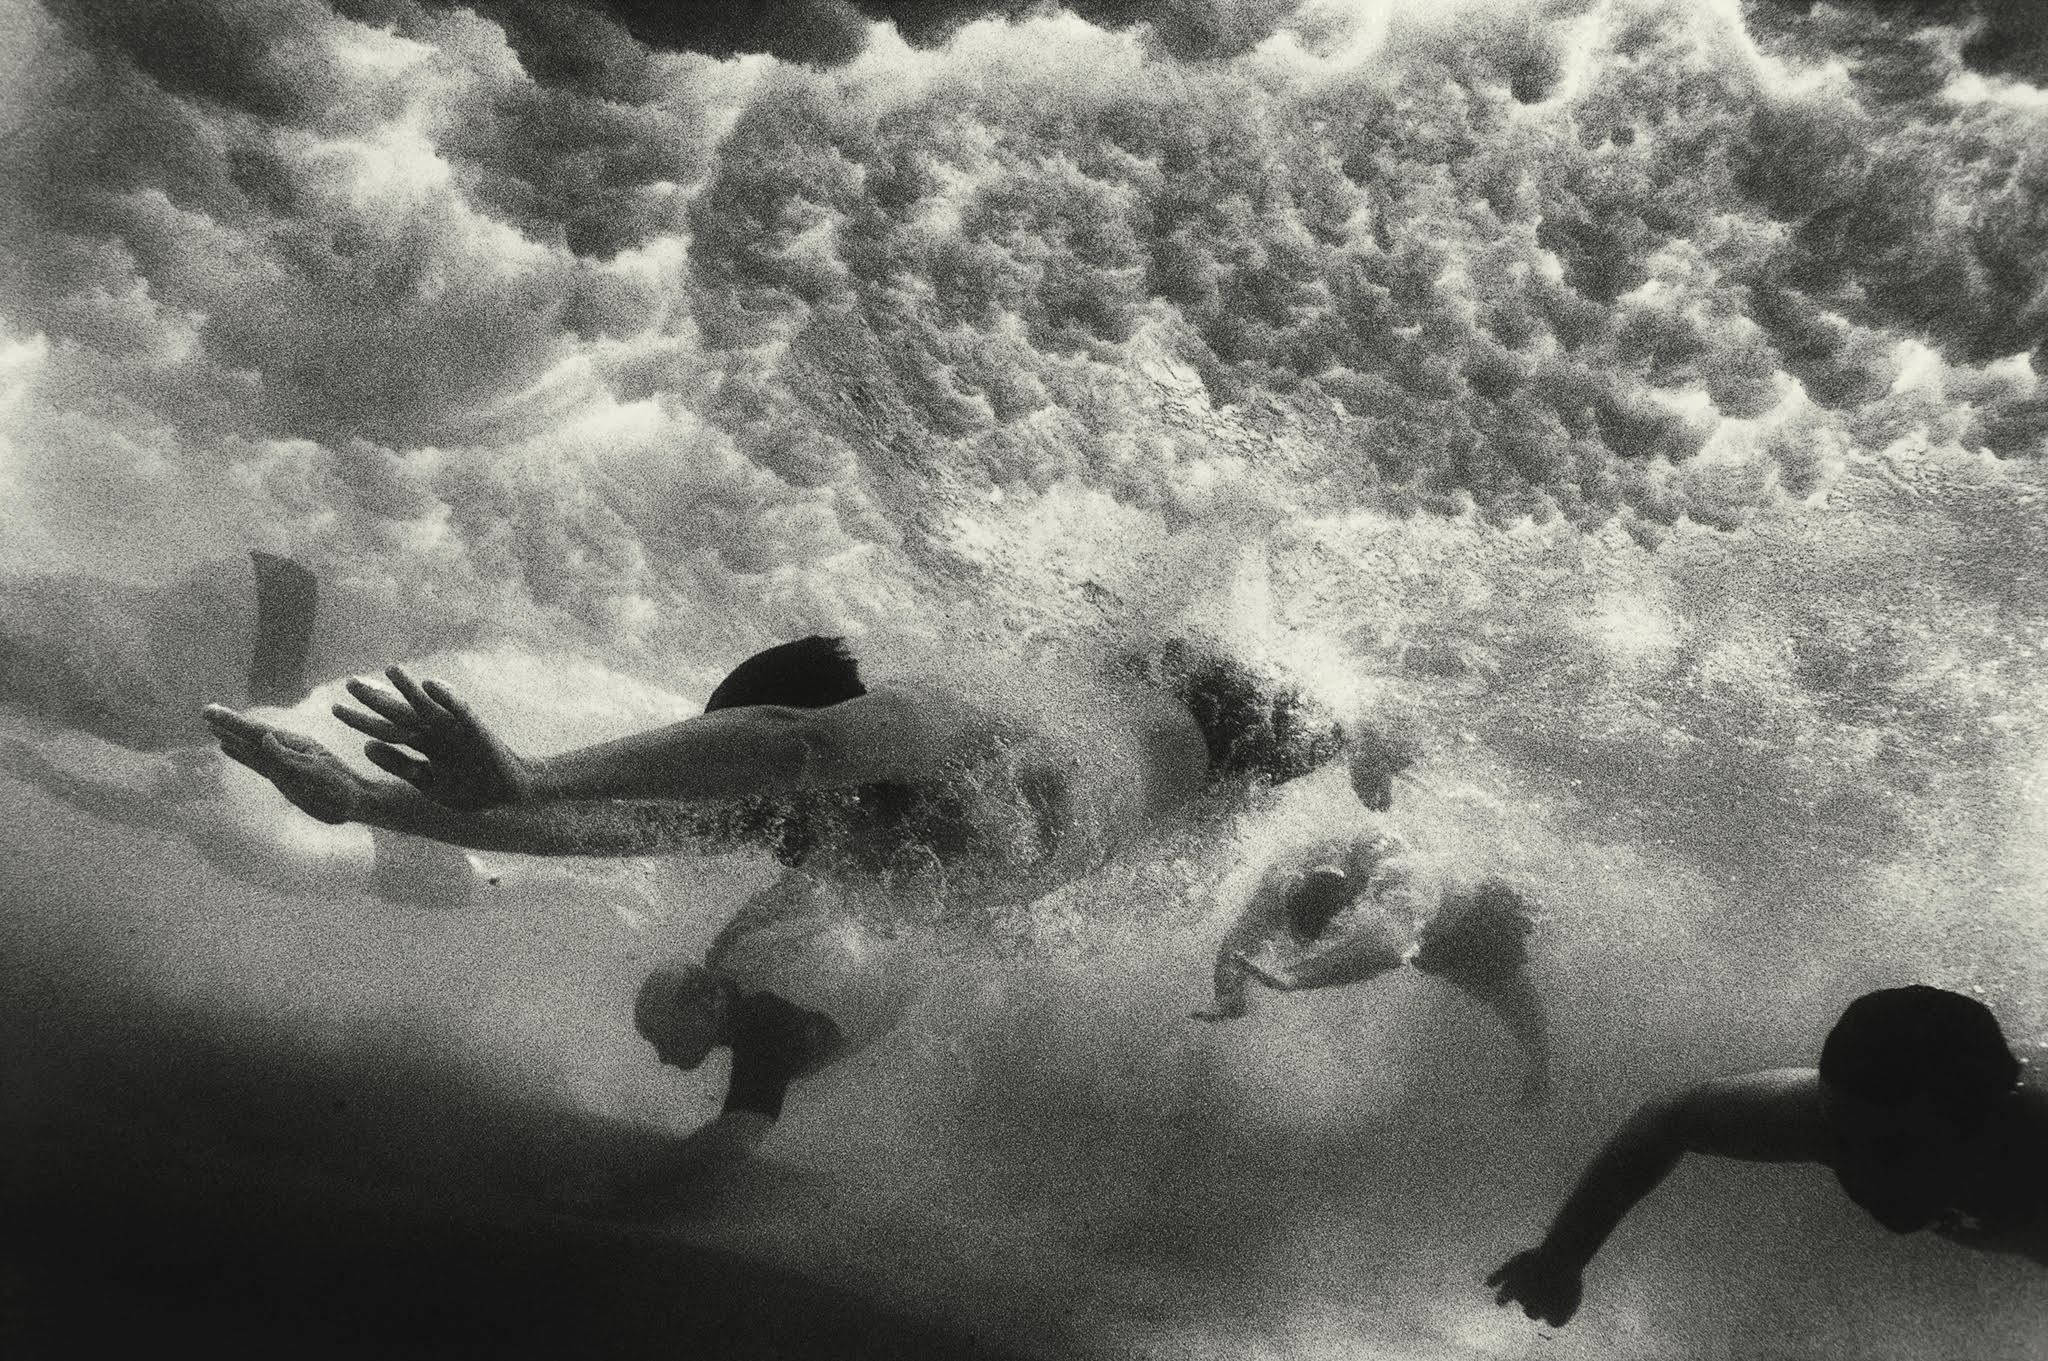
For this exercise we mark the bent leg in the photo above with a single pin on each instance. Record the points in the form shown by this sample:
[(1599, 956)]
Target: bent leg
[(1514, 1000), (115, 784)]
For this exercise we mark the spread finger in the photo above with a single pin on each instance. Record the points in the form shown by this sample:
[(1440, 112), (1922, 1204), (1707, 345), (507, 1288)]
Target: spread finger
[(422, 703), (447, 699), (226, 721), (382, 702), (372, 725)]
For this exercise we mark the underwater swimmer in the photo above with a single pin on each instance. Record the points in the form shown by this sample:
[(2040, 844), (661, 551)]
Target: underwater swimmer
[(685, 1010), (131, 663), (791, 987), (795, 753), (1326, 911), (1343, 912), (182, 793), (1917, 1107)]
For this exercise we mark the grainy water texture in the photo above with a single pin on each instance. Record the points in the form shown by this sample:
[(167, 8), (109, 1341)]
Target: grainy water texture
[(1642, 401)]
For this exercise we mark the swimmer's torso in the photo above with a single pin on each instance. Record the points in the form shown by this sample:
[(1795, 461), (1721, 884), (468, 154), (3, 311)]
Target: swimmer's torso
[(1040, 794), (796, 940), (1991, 1194)]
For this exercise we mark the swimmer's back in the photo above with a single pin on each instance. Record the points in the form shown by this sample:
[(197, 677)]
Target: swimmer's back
[(1039, 782)]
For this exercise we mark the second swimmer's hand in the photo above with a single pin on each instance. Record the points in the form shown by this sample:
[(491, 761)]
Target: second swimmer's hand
[(306, 773), (1543, 1282), (461, 764)]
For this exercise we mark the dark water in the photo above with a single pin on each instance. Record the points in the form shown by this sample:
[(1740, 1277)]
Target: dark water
[(227, 1266)]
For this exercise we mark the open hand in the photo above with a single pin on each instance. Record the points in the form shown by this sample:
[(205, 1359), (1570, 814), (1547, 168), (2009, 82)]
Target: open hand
[(1545, 1284), (306, 773), (461, 763)]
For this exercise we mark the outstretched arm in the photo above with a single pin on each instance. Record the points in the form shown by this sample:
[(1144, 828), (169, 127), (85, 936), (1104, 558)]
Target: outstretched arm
[(1771, 1116), (317, 783), (603, 827), (729, 754), (1253, 928), (1368, 950)]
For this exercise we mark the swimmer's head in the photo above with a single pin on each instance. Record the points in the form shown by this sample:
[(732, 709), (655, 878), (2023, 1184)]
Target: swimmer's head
[(1919, 1047), (1477, 934), (680, 1010), (1318, 895)]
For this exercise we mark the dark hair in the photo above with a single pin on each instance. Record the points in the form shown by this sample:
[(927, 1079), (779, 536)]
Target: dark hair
[(810, 673), (1316, 900), (1252, 728), (1899, 1043)]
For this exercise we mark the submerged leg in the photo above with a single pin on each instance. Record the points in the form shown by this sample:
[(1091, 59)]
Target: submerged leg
[(1514, 1000), (132, 662), (287, 604)]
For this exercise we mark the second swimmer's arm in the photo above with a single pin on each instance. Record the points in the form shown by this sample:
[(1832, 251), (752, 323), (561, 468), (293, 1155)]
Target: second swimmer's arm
[(1367, 951), (1772, 1116), (1254, 927)]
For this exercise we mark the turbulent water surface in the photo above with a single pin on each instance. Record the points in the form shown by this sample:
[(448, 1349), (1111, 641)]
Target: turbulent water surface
[(1642, 402)]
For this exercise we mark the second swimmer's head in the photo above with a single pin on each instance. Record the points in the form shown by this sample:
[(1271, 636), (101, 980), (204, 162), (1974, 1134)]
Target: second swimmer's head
[(680, 1010), (1316, 897), (1262, 730)]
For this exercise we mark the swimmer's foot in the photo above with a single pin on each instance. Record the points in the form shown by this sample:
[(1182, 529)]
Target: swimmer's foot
[(287, 604), (774, 1041)]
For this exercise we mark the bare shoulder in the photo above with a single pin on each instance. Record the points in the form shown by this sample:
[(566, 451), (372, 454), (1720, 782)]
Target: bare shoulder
[(1775, 1115), (903, 731), (926, 703), (923, 706)]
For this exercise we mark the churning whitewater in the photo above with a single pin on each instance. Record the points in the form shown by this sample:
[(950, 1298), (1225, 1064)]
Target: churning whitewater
[(1638, 407)]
